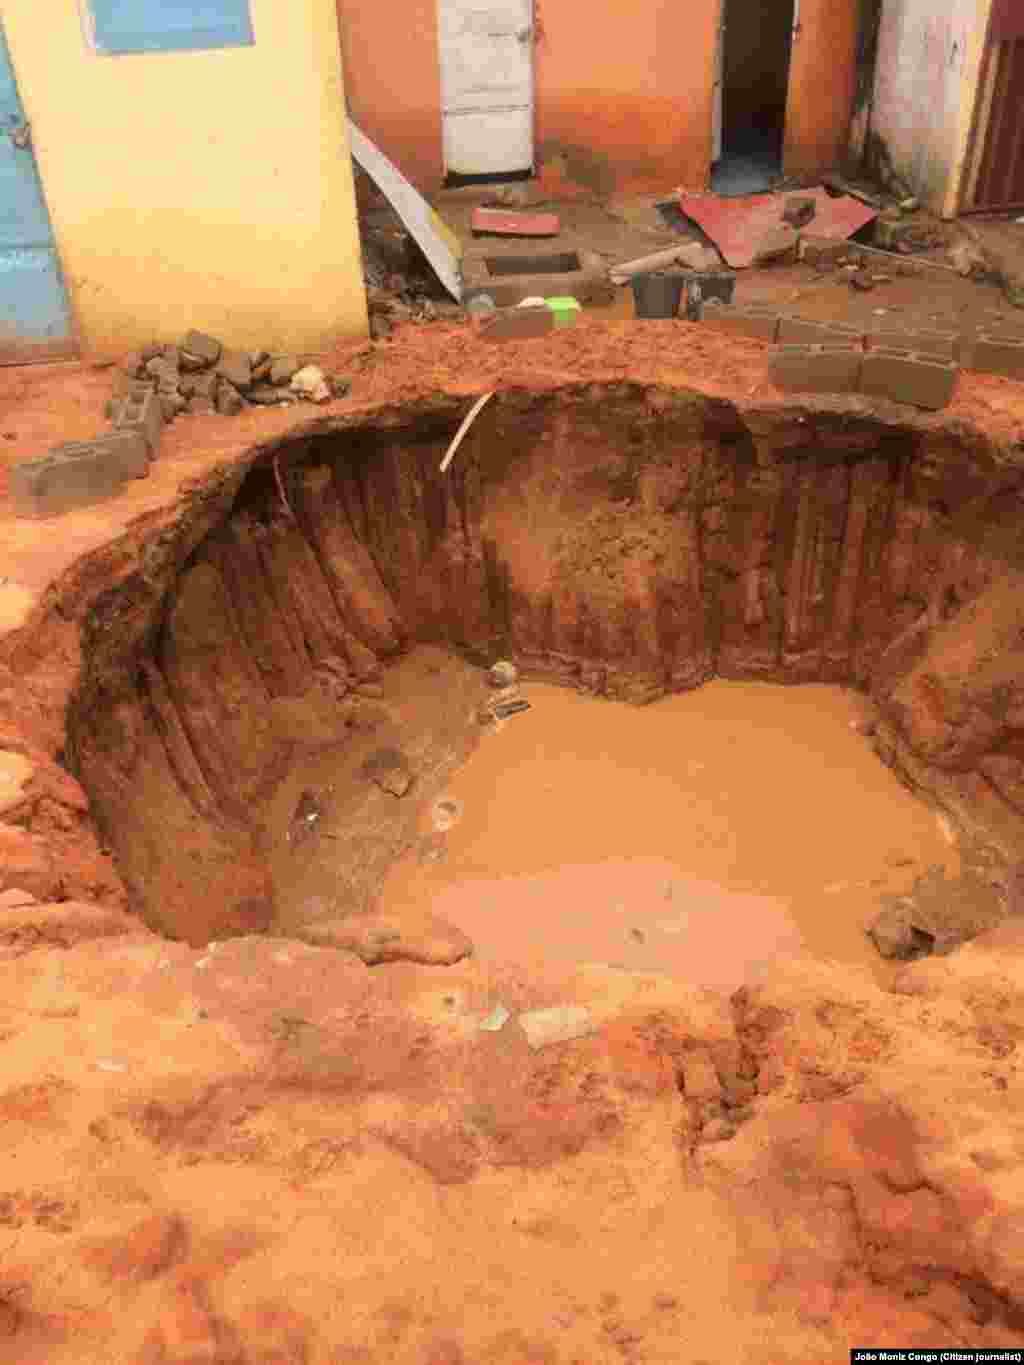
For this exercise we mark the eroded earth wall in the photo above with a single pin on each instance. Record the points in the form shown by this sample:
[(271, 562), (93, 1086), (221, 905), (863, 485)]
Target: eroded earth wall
[(629, 541)]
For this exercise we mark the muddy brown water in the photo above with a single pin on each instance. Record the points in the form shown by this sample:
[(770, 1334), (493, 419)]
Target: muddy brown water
[(702, 836)]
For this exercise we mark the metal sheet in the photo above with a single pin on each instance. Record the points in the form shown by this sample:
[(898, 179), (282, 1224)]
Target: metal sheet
[(738, 225), (433, 236), (486, 56)]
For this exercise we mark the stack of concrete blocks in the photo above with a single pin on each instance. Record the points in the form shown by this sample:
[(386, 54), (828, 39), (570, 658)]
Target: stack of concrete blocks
[(81, 473), (910, 361)]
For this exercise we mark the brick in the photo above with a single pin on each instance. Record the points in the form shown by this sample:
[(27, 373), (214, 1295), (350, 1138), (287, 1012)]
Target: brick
[(923, 341), (822, 250), (997, 355), (815, 369), (142, 413), (747, 321), (77, 474), (517, 324), (811, 332), (905, 377)]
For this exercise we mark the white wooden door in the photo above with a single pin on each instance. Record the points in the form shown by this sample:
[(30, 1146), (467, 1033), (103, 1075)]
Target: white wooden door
[(486, 53)]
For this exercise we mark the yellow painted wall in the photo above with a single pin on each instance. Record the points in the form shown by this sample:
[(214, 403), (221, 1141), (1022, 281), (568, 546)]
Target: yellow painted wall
[(972, 73), (197, 189)]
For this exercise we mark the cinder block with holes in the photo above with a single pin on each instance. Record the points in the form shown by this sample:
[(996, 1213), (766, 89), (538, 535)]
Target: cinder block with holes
[(996, 354), (815, 369), (511, 278), (141, 412), (77, 474), (905, 377), (941, 345), (811, 332), (741, 320)]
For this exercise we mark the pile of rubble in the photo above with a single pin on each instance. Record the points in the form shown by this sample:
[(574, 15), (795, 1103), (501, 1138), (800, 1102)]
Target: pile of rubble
[(199, 375)]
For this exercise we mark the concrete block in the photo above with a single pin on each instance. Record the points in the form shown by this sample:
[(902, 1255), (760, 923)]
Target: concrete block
[(815, 369), (509, 279), (518, 324), (922, 341), (810, 332), (997, 355), (748, 321), (821, 251), (142, 413), (78, 474), (905, 377)]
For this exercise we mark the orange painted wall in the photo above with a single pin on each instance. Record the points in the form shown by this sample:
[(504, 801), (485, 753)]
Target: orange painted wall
[(393, 81), (822, 82), (623, 89)]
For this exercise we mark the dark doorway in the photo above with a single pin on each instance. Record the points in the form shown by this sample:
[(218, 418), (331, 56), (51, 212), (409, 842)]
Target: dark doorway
[(756, 44)]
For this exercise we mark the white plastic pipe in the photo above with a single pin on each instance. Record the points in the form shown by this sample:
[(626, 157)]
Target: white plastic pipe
[(449, 454)]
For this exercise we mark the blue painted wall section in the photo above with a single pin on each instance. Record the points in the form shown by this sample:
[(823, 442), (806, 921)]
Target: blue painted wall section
[(124, 26), (33, 304)]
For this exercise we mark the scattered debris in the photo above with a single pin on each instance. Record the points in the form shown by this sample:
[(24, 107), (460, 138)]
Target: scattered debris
[(799, 210), (503, 674), (691, 254), (503, 709), (738, 226), (200, 377), (895, 936), (498, 223), (389, 768), (311, 382), (308, 813), (496, 1020), (843, 187), (860, 279), (436, 240)]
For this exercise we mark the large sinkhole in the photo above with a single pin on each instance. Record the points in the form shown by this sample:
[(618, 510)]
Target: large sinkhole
[(279, 727)]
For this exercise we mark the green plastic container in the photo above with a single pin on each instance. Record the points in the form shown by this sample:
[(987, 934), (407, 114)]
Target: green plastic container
[(566, 310)]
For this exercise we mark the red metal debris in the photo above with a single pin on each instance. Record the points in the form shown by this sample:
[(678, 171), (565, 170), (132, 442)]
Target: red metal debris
[(738, 225)]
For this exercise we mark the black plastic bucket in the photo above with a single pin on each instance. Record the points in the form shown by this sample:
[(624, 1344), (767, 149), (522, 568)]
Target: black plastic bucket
[(658, 296)]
